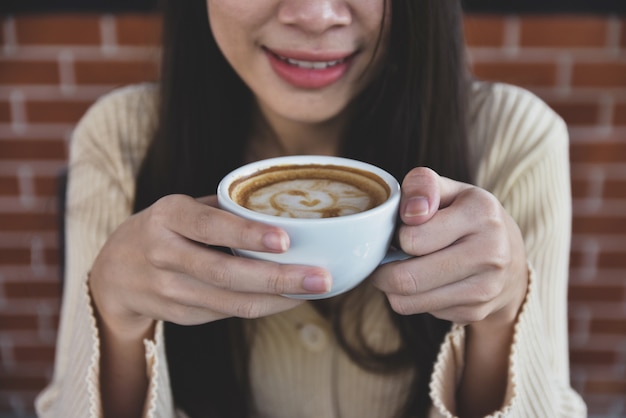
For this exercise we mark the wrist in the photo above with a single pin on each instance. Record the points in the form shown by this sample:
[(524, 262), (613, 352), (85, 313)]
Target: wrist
[(505, 318), (113, 319)]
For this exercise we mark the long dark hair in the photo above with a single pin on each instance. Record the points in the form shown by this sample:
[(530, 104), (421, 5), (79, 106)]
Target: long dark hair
[(413, 114)]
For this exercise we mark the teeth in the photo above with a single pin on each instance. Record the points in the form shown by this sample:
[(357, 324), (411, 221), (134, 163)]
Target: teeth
[(311, 65)]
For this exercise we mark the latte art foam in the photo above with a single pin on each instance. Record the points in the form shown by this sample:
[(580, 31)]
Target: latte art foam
[(310, 191)]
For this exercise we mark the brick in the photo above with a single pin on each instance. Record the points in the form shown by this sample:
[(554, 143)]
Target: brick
[(603, 74), (612, 260), (593, 357), (527, 74), (22, 222), (614, 189), (577, 113), (32, 290), (484, 30), (8, 186), (598, 225), (611, 189), (55, 112), (34, 354), (580, 188), (5, 112), (13, 382), (14, 256), (619, 114), (29, 72), (623, 34), (617, 387), (9, 322), (576, 259), (598, 152), (58, 29), (139, 30), (606, 259), (608, 326), (26, 149), (115, 72), (563, 32), (17, 256), (579, 293), (46, 186)]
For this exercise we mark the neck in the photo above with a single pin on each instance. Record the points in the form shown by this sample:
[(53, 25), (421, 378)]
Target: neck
[(274, 136)]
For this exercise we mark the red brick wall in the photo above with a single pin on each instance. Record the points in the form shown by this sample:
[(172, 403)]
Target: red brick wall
[(53, 67), (578, 65)]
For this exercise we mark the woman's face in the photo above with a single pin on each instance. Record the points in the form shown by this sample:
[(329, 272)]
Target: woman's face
[(304, 60)]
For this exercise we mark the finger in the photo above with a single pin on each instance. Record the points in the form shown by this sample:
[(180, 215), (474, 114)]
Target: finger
[(195, 302), (424, 192), (208, 200), (209, 225), (467, 301), (446, 227), (465, 210), (440, 268), (241, 274), (420, 196)]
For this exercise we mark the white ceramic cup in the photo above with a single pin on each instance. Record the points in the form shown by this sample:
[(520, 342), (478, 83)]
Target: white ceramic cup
[(350, 247)]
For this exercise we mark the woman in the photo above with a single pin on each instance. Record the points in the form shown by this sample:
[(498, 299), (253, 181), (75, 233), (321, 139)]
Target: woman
[(158, 319)]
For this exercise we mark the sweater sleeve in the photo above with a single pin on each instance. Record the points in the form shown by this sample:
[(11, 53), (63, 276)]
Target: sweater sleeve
[(522, 157), (106, 150)]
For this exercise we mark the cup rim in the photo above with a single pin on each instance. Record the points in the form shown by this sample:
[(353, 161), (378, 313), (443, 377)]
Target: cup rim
[(225, 201)]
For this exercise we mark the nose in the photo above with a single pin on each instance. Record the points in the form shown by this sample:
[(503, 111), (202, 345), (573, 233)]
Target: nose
[(315, 16)]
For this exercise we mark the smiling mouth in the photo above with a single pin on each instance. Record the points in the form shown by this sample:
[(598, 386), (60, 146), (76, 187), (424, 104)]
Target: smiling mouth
[(309, 65)]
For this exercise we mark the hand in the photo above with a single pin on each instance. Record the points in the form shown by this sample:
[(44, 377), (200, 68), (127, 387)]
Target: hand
[(157, 265), (470, 263)]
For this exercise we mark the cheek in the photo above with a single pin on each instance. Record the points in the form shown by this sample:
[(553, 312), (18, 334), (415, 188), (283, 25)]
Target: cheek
[(234, 23)]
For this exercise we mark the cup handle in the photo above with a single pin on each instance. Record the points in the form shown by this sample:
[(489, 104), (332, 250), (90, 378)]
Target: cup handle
[(394, 254)]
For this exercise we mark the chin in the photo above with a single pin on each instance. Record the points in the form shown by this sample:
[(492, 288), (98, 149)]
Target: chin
[(319, 113)]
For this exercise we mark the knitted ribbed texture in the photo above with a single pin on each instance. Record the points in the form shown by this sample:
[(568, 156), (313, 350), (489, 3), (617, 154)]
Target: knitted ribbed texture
[(518, 152)]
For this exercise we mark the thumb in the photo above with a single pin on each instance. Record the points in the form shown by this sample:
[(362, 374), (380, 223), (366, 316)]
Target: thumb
[(421, 196), (208, 200)]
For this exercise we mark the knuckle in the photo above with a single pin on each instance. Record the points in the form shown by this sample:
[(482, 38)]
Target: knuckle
[(248, 309), (500, 257), (487, 290), (404, 281), (275, 280), (221, 276), (178, 313), (400, 305), (497, 254), (467, 314), (409, 239), (158, 256), (477, 314), (168, 287), (422, 175), (164, 207), (246, 234), (202, 224), (489, 208)]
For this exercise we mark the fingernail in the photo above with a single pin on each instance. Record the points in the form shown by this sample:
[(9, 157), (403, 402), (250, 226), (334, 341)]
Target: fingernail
[(416, 206), (316, 283), (276, 241)]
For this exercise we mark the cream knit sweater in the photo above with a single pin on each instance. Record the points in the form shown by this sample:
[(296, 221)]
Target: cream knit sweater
[(519, 152)]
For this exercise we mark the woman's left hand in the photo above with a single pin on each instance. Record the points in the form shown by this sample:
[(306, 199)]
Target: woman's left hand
[(470, 265)]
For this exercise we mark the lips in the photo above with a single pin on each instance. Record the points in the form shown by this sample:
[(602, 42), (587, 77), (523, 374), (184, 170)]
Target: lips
[(309, 70)]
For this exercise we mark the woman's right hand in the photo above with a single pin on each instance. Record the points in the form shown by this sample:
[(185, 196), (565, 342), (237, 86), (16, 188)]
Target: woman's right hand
[(158, 265)]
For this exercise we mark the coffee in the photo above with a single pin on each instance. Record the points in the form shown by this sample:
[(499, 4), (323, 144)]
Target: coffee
[(309, 191)]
